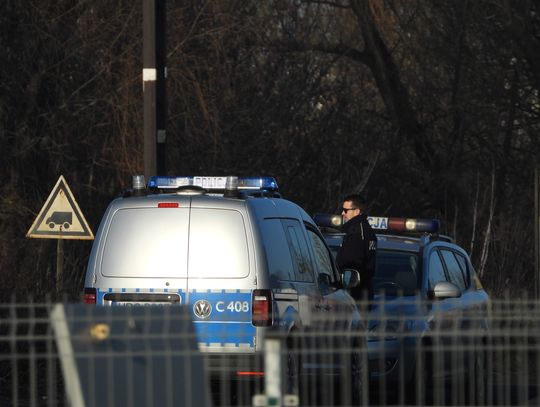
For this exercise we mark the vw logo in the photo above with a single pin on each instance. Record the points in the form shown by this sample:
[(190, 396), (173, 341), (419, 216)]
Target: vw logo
[(202, 309)]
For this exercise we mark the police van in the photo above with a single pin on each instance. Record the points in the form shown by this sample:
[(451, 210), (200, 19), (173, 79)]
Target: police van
[(241, 257), (428, 302)]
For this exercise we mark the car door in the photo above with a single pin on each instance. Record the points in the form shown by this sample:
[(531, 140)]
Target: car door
[(342, 314), (337, 301), (473, 302), (444, 318), (472, 324), (312, 306)]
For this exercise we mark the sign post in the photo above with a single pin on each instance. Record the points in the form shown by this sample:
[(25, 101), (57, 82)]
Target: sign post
[(537, 229), (60, 218)]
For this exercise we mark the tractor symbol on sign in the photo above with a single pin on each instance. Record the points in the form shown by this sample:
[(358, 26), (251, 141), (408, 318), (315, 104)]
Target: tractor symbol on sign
[(60, 218)]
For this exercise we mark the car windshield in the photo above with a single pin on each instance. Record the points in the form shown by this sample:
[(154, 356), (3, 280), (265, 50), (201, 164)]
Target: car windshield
[(397, 272)]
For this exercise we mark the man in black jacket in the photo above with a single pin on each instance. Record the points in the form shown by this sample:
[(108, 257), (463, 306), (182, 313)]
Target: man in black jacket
[(359, 245)]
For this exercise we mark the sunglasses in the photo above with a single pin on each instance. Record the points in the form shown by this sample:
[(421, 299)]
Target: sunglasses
[(347, 209)]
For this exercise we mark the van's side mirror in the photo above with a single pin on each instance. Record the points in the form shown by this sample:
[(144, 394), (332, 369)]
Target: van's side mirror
[(324, 280), (350, 278)]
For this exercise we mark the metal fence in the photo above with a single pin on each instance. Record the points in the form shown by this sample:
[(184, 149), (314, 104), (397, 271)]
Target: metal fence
[(61, 354)]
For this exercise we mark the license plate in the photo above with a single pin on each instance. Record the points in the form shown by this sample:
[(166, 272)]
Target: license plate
[(139, 304)]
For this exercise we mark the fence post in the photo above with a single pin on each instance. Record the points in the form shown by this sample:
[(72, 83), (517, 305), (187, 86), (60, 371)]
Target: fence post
[(272, 377), (272, 374)]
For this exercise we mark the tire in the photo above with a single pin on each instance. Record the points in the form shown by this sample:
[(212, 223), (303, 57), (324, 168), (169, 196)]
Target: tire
[(477, 377), (348, 386), (293, 366), (358, 366), (419, 390)]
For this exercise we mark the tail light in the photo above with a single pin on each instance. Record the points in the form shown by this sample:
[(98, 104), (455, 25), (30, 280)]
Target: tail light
[(261, 308), (243, 373), (90, 295)]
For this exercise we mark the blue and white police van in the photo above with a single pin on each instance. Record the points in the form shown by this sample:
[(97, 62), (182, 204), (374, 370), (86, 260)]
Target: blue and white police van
[(241, 257)]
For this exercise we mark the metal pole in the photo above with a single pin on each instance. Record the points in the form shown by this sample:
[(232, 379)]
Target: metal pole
[(272, 367), (149, 87), (537, 228), (161, 86), (66, 355), (59, 268)]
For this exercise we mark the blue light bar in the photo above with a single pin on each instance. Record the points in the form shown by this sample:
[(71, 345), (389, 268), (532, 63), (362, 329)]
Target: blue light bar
[(212, 183), (405, 224), (414, 225), (268, 183), (329, 220), (169, 182)]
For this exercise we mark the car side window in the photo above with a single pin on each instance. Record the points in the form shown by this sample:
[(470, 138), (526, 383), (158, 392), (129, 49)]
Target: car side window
[(453, 268), (436, 269), (464, 269), (322, 256), (299, 250), (279, 259)]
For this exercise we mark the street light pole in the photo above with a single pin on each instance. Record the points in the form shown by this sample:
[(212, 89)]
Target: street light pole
[(161, 88), (149, 77), (537, 229)]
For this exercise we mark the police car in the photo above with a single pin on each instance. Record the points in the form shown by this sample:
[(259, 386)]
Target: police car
[(241, 257), (427, 323)]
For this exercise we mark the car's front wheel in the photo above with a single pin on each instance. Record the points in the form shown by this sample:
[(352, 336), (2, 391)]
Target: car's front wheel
[(419, 390), (358, 372)]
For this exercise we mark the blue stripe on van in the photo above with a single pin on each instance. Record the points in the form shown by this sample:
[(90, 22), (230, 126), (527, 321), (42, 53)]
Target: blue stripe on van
[(230, 306), (228, 322), (225, 334)]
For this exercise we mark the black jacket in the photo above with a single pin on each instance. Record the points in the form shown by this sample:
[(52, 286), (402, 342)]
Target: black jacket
[(358, 252)]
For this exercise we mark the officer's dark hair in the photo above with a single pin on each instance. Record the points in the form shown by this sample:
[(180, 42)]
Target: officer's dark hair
[(357, 200)]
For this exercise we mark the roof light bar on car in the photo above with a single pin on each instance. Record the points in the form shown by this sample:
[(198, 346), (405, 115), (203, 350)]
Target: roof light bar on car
[(212, 182), (411, 225), (404, 224), (329, 220)]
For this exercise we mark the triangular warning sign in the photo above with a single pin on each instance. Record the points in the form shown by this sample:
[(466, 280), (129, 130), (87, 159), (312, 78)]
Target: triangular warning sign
[(60, 217)]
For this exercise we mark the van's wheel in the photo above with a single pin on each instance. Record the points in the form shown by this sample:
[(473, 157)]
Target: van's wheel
[(51, 224), (66, 225), (293, 367)]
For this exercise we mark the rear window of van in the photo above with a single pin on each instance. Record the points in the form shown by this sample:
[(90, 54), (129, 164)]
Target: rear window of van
[(218, 244), (154, 243), (147, 243)]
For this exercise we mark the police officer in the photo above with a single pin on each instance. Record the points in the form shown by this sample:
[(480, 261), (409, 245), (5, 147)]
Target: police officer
[(359, 245)]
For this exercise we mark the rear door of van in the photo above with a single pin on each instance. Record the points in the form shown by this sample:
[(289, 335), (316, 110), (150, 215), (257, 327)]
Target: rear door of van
[(143, 254), (221, 276)]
